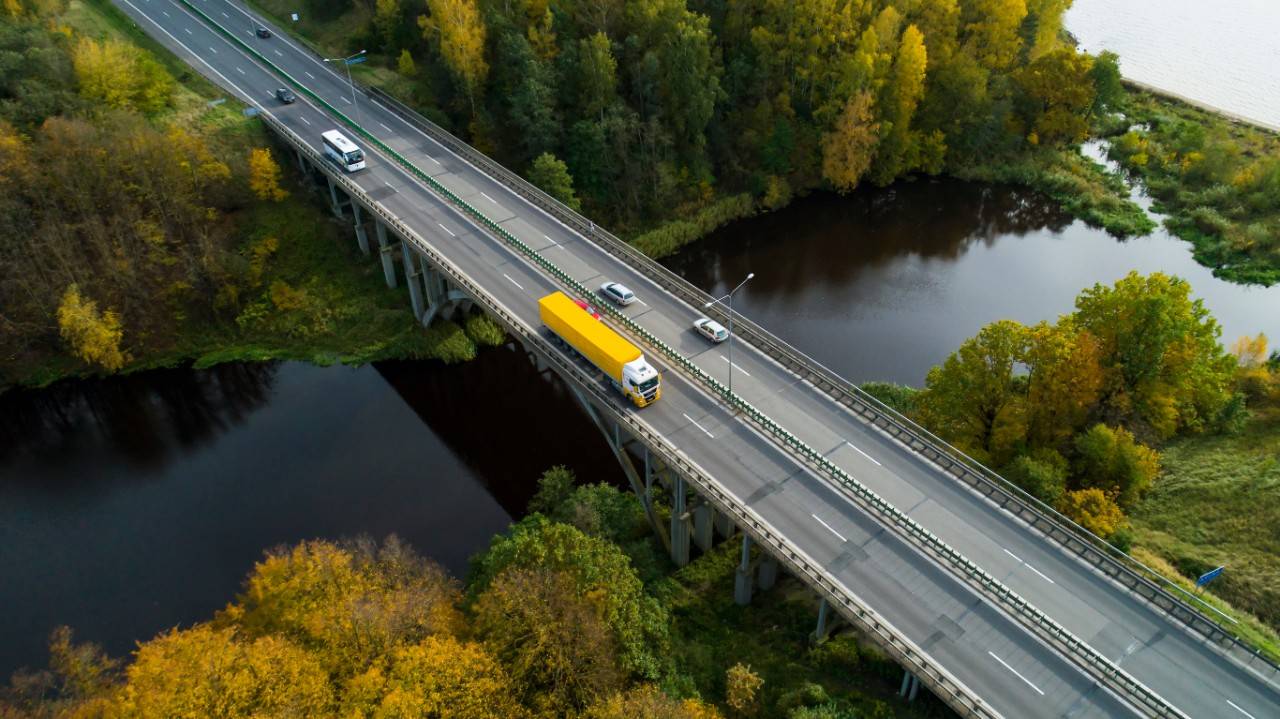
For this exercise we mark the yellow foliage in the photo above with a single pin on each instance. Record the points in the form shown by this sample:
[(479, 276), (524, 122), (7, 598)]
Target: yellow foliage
[(439, 677), (120, 75), (848, 149), (94, 337), (741, 688), (264, 176), (1250, 351), (13, 9), (459, 27), (205, 672), (648, 702), (405, 64), (1094, 510), (261, 251)]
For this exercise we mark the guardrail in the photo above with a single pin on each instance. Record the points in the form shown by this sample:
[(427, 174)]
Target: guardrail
[(1041, 624), (942, 683), (1133, 575)]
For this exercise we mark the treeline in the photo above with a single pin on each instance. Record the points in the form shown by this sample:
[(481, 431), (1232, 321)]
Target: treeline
[(657, 107), (1071, 411), (555, 620)]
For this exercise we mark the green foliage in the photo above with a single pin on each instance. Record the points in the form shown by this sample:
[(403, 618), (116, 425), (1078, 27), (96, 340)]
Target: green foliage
[(897, 396), (449, 343), (1111, 460), (552, 176), (1042, 473), (555, 487), (1058, 93), (485, 332), (674, 235)]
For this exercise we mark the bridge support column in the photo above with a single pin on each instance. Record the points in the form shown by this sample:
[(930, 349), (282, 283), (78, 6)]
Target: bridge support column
[(362, 238), (411, 274), (742, 580), (910, 686), (820, 632), (723, 524), (915, 687), (766, 572), (385, 249), (334, 204), (679, 523), (702, 535), (302, 160), (647, 498)]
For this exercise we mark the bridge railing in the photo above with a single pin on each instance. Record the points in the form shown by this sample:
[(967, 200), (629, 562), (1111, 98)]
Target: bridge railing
[(914, 659), (1135, 576), (928, 543)]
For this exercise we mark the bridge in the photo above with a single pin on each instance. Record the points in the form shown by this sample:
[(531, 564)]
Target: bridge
[(1001, 607)]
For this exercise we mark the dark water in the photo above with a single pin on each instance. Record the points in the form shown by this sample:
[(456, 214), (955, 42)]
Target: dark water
[(884, 284), (134, 504)]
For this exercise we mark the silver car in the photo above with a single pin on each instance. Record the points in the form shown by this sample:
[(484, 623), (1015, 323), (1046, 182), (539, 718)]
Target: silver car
[(711, 329), (619, 294)]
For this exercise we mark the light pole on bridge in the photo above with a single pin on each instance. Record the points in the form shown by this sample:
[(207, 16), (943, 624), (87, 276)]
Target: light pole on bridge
[(347, 61), (729, 297)]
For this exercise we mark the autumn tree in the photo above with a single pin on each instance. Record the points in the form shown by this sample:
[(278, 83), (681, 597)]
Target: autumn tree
[(974, 399), (460, 31), (120, 76), (1110, 459), (264, 176), (438, 677), (1094, 510), (405, 64), (1058, 95), (900, 149), (847, 151), (93, 336), (1064, 381), (742, 689), (648, 702), (991, 30), (551, 175), (597, 75)]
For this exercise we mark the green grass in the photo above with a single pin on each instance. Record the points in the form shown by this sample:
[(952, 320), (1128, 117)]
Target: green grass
[(1218, 503)]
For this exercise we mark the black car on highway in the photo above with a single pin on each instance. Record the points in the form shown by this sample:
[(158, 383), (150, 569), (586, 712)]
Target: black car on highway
[(285, 95)]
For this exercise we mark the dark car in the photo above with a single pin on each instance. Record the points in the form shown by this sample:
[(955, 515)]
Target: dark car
[(263, 32), (285, 95)]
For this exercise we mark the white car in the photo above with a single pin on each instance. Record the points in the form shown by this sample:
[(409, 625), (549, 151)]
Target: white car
[(711, 329), (619, 294)]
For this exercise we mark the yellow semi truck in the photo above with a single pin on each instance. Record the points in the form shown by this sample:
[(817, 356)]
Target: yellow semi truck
[(609, 351)]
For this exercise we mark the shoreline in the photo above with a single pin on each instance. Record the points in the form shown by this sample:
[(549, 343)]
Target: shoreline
[(1139, 86)]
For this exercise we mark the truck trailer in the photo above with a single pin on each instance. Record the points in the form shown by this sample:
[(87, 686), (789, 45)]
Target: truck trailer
[(609, 351)]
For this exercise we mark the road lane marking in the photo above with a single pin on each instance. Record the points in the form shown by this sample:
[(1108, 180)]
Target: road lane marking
[(309, 75), (1037, 571), (239, 71), (305, 120), (446, 229), (429, 157), (695, 424), (388, 184), (1011, 554), (646, 304), (278, 53), (517, 284), (187, 30), (344, 99), (1237, 708), (864, 454), (490, 199), (226, 16), (731, 364), (385, 127), (828, 526), (166, 13), (1015, 673), (212, 50)]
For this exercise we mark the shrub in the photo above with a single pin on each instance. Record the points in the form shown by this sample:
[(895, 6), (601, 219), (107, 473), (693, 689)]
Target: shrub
[(1094, 510), (447, 342), (1111, 460), (485, 332), (1042, 474), (897, 396)]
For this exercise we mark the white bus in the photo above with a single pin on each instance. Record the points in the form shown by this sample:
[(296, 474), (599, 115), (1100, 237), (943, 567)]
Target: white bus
[(343, 151)]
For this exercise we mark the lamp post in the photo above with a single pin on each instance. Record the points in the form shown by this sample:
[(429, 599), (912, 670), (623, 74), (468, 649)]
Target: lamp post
[(347, 61), (730, 305)]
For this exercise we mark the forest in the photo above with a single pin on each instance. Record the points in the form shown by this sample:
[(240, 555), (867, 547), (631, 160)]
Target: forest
[(575, 611)]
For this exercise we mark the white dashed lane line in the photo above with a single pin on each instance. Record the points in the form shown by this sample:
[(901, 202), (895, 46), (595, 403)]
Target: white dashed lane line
[(239, 71), (215, 52), (166, 13), (305, 120), (517, 284), (1015, 673), (695, 424), (864, 454), (446, 229), (385, 127), (726, 359), (309, 75), (278, 53), (1237, 708), (187, 30), (828, 526), (1028, 566)]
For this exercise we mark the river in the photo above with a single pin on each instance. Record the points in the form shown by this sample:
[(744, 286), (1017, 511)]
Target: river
[(1224, 54)]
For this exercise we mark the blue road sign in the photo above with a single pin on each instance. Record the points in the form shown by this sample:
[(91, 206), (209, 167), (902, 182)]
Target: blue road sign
[(357, 60), (1209, 576)]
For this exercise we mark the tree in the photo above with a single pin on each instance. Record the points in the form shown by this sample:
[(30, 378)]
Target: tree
[(648, 702), (1092, 509), (899, 149), (1113, 461), (1108, 88), (94, 337), (848, 149), (459, 28), (1163, 366), (597, 75), (387, 21), (264, 176), (405, 64), (990, 29), (555, 486), (1058, 95), (1042, 474), (552, 176), (437, 677), (120, 76), (741, 689), (561, 654), (203, 671), (1064, 381), (597, 569), (973, 397)]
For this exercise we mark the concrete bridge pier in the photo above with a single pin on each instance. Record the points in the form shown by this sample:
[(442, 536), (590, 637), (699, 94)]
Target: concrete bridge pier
[(362, 237), (302, 161), (820, 632), (743, 581), (335, 203), (411, 278), (702, 529), (766, 572), (385, 248), (723, 524), (679, 522), (910, 686)]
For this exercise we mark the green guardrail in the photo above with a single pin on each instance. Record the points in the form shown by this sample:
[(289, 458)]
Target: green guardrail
[(882, 507)]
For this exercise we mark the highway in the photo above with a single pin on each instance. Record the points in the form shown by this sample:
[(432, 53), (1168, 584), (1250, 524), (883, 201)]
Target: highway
[(992, 654)]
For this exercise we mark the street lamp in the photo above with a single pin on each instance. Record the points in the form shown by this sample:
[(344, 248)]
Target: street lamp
[(347, 61), (730, 304)]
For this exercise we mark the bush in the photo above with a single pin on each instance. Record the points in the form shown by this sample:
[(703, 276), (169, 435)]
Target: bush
[(447, 342), (485, 332), (1111, 460), (672, 236), (1042, 474), (1094, 510), (897, 396)]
